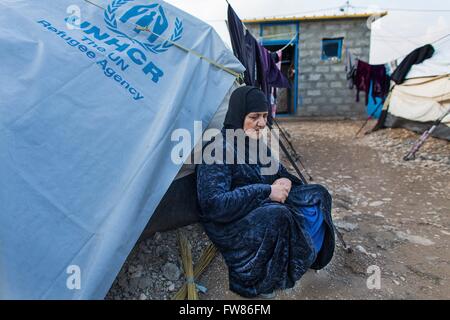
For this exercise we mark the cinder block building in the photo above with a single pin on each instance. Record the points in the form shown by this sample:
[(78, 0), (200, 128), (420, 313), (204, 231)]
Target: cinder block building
[(314, 60)]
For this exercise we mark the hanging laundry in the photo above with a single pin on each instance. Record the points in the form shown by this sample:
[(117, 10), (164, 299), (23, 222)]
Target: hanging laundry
[(278, 58), (362, 78), (268, 73), (275, 57), (273, 101), (375, 74), (258, 62), (275, 77), (261, 69), (391, 67), (263, 66), (417, 56), (238, 43), (350, 68), (380, 82), (279, 55), (251, 52)]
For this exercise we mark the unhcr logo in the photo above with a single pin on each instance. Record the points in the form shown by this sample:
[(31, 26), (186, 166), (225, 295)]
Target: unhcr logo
[(125, 24), (147, 18)]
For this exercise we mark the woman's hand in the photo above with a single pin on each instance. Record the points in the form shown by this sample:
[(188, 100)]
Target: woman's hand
[(284, 182), (279, 192)]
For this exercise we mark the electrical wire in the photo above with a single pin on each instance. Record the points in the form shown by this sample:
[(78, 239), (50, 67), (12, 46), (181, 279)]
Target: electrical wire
[(405, 10)]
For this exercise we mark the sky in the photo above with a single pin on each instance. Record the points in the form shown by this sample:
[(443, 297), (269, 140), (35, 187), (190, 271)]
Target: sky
[(216, 9), (409, 24)]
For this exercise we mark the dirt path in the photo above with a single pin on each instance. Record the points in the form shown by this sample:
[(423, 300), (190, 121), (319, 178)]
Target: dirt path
[(395, 215)]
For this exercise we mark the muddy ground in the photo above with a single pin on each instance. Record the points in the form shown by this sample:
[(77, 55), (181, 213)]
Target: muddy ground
[(395, 216)]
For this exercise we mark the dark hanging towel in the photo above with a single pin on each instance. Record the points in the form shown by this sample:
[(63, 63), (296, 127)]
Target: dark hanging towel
[(251, 51), (417, 56), (362, 78), (261, 69), (238, 42), (375, 74), (380, 82)]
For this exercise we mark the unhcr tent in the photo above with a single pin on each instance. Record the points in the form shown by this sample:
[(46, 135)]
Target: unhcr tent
[(89, 97), (425, 95), (418, 102), (179, 206)]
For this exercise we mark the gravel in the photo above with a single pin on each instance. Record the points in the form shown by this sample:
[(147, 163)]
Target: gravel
[(171, 271), (153, 270), (394, 144)]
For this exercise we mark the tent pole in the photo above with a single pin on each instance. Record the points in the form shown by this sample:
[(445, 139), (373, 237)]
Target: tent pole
[(295, 154), (305, 182), (286, 152), (412, 153), (294, 165), (367, 120)]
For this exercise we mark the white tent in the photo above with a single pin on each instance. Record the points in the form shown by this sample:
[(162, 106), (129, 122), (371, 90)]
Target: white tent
[(425, 95), (88, 105)]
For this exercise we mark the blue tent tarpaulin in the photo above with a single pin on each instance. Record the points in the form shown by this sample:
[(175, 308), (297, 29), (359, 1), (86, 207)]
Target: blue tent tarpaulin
[(87, 108)]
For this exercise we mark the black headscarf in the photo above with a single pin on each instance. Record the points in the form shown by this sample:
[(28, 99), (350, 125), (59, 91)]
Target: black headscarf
[(244, 100)]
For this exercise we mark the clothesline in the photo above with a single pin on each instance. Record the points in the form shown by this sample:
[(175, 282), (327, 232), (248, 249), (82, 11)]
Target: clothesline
[(367, 77), (245, 27), (403, 56), (261, 68), (271, 36), (296, 34), (292, 40), (442, 38)]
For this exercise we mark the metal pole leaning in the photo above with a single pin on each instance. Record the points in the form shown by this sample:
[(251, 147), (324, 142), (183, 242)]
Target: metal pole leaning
[(295, 154), (347, 248)]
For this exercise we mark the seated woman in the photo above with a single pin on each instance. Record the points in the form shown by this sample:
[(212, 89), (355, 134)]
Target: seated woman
[(270, 229)]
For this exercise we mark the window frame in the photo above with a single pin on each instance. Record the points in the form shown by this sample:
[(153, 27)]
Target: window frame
[(338, 41)]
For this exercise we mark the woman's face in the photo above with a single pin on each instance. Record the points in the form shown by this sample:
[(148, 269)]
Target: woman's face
[(254, 124)]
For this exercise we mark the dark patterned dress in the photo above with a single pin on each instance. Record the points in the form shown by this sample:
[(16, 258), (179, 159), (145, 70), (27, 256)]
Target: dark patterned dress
[(266, 245)]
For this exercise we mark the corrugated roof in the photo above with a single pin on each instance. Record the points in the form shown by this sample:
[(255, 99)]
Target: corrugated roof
[(315, 18)]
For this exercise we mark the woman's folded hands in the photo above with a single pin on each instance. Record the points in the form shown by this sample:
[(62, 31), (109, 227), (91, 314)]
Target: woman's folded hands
[(280, 190)]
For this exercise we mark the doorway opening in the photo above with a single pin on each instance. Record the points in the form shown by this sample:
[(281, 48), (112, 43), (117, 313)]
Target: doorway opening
[(284, 98)]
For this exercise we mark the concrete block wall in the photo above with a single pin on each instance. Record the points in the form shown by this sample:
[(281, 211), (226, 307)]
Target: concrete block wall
[(322, 85)]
